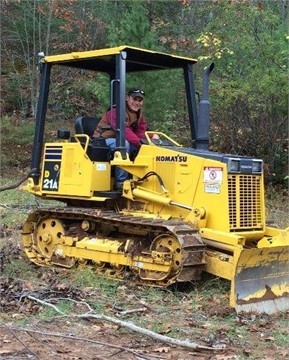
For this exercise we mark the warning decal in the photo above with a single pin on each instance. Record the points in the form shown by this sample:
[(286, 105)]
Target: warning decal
[(212, 188), (213, 175)]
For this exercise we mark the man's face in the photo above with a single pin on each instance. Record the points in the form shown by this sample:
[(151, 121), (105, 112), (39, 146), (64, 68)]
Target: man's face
[(134, 102)]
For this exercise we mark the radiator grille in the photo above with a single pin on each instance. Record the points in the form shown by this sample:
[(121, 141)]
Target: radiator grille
[(245, 206)]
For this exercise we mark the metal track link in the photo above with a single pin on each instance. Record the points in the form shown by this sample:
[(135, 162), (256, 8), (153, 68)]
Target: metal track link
[(191, 245)]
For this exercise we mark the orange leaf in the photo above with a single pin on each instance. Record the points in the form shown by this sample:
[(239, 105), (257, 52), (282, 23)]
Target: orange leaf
[(164, 349)]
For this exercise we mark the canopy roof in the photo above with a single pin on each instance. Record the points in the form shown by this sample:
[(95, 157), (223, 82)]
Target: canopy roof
[(103, 60)]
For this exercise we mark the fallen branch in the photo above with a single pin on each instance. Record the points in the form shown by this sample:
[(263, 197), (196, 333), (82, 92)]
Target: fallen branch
[(55, 308), (152, 334), (12, 331), (130, 311), (14, 186), (77, 338), (131, 326)]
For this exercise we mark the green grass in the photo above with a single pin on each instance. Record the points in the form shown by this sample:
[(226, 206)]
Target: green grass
[(16, 196), (24, 269), (281, 333), (20, 134), (47, 312), (86, 277), (15, 204)]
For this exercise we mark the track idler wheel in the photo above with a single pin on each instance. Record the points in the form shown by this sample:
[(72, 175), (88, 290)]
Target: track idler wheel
[(48, 235), (164, 248)]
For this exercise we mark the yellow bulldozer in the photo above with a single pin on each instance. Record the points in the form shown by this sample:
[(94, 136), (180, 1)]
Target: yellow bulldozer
[(182, 212)]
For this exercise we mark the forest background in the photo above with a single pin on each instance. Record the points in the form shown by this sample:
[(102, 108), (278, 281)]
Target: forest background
[(246, 39)]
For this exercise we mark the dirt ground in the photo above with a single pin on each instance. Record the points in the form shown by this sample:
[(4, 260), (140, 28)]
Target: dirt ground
[(97, 341), (100, 342), (25, 335)]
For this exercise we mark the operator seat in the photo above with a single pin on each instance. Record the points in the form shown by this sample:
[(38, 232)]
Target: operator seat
[(86, 125), (97, 149)]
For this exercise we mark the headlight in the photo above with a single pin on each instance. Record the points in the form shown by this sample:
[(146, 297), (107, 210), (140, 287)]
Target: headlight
[(257, 166), (234, 165)]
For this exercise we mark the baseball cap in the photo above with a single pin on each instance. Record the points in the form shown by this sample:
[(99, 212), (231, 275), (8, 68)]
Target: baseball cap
[(136, 92)]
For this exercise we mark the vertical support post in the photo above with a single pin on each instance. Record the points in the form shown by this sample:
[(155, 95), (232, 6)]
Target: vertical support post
[(120, 102), (203, 127), (40, 121), (191, 101)]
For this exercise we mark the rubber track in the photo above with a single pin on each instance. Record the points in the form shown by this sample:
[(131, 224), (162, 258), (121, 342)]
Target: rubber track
[(191, 243)]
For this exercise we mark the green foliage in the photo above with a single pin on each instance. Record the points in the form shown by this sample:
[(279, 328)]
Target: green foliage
[(13, 97), (16, 140), (132, 27), (277, 206), (19, 133), (74, 93), (162, 110), (249, 84), (98, 90), (252, 105)]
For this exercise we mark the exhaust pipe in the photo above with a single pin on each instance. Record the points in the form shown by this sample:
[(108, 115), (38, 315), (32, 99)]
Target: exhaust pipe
[(203, 125)]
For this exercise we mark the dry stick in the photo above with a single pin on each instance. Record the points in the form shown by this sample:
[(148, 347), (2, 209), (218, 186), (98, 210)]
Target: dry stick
[(22, 342), (75, 301), (39, 341), (47, 304), (131, 326), (77, 338), (152, 334), (130, 311), (14, 186)]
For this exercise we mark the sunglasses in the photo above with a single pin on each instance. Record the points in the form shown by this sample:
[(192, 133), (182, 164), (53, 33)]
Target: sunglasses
[(136, 91)]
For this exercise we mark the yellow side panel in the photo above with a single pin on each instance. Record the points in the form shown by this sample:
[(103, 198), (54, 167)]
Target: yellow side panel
[(66, 166), (191, 180), (76, 171), (67, 170)]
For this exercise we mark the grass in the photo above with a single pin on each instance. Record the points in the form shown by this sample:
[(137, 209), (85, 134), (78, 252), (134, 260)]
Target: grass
[(16, 203), (280, 338), (48, 313), (24, 269)]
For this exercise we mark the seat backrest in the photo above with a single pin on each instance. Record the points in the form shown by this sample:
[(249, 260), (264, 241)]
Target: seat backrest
[(86, 125)]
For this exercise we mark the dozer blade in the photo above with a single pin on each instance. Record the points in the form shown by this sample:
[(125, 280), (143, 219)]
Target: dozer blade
[(261, 282)]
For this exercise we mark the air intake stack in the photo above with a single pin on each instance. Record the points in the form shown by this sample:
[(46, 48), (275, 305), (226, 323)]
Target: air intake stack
[(203, 125)]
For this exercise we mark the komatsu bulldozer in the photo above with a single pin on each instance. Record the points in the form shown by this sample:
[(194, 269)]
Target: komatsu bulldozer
[(183, 211)]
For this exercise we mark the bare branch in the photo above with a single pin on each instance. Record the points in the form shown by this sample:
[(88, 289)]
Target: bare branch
[(152, 334), (130, 311), (42, 302), (12, 331), (9, 187), (131, 326), (76, 338)]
